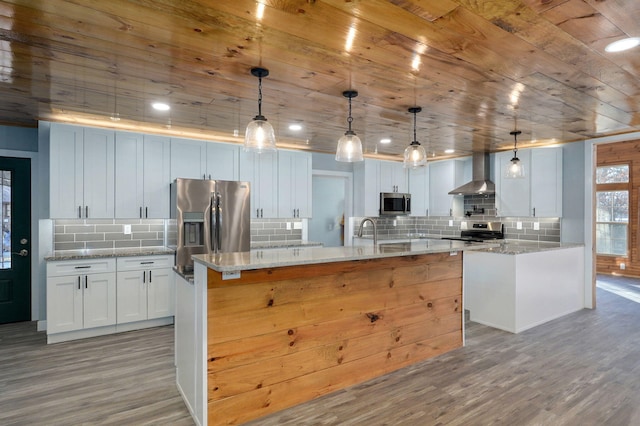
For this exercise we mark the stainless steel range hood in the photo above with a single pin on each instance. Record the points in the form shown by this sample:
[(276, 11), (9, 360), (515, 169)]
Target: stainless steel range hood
[(481, 184)]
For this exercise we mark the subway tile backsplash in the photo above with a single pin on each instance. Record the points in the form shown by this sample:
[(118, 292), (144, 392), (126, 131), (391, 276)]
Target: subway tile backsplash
[(78, 234), (275, 230), (477, 208)]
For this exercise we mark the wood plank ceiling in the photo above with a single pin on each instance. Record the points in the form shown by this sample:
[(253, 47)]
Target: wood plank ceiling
[(478, 68)]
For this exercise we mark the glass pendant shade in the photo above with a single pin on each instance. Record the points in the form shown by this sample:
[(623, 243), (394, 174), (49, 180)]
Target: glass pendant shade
[(259, 136), (414, 155), (349, 145), (514, 169), (349, 148)]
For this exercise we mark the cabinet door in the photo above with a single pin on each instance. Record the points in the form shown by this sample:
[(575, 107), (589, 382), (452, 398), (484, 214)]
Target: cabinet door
[(99, 301), (223, 161), (188, 159), (546, 182), (513, 196), (366, 184), (132, 296), (64, 303), (160, 293), (419, 189), (393, 177), (261, 171), (156, 177), (65, 171), (129, 175), (294, 184), (443, 177), (99, 168)]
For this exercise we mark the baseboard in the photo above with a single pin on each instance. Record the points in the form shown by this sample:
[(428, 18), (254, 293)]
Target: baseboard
[(41, 325), (110, 329)]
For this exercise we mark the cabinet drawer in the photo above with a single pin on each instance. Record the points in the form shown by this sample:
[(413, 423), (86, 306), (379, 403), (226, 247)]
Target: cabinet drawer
[(84, 267), (144, 262)]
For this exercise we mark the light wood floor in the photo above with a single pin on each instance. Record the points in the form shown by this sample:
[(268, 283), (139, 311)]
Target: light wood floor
[(583, 369)]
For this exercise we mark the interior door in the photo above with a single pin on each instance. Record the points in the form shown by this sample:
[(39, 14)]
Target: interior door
[(15, 264)]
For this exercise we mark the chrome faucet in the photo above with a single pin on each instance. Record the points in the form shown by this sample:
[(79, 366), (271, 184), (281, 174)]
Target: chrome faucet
[(375, 229)]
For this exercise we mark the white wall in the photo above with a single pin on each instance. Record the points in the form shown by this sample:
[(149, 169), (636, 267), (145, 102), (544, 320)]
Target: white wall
[(573, 193)]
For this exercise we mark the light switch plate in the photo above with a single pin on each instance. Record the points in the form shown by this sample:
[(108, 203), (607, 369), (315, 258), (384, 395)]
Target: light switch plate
[(127, 229), (518, 225), (536, 226)]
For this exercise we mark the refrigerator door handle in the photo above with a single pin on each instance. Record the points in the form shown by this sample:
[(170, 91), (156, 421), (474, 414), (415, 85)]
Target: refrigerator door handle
[(215, 222)]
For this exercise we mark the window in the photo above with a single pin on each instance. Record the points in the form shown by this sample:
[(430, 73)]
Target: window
[(612, 209)]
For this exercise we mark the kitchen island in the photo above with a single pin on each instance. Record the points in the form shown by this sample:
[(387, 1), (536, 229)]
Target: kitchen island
[(271, 329), (518, 285)]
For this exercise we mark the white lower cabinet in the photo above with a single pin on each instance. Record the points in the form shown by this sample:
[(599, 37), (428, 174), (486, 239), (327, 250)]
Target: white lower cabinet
[(80, 295), (145, 288), (93, 297)]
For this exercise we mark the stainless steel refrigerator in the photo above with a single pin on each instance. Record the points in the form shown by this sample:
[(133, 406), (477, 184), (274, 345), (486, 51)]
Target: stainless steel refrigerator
[(211, 216)]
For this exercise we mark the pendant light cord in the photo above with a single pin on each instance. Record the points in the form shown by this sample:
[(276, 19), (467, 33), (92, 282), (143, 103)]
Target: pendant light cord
[(350, 118), (260, 96), (414, 126)]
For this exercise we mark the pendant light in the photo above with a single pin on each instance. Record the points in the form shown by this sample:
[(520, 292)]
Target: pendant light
[(515, 170), (349, 146), (414, 155), (259, 136)]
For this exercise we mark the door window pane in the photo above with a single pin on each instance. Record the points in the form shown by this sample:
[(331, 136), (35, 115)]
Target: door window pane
[(612, 218), (612, 174), (5, 216)]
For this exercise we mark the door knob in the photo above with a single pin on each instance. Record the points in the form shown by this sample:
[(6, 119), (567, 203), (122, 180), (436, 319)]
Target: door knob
[(23, 253)]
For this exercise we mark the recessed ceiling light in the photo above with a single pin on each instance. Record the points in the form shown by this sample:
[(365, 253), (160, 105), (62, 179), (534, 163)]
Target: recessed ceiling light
[(449, 151), (624, 44), (385, 141), (160, 106), (295, 127)]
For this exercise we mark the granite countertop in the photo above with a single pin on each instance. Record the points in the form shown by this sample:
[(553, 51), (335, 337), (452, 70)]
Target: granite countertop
[(273, 258), (100, 253), (512, 247), (283, 244), (406, 237)]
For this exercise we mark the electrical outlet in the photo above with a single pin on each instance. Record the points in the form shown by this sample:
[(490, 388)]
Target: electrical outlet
[(297, 225), (127, 229), (450, 223), (288, 226), (394, 222), (518, 225), (536, 226), (623, 266), (463, 225)]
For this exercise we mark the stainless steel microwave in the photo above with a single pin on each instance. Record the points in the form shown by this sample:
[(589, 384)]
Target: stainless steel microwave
[(395, 204)]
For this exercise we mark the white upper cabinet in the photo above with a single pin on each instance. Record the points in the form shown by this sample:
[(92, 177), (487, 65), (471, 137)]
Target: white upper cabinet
[(513, 196), (188, 159), (142, 176), (444, 176), (419, 189), (81, 172), (261, 171), (393, 177), (366, 188), (223, 161), (294, 184), (539, 193), (546, 182)]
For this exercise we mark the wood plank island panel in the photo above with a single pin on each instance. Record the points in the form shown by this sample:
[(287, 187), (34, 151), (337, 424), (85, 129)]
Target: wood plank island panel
[(278, 337)]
